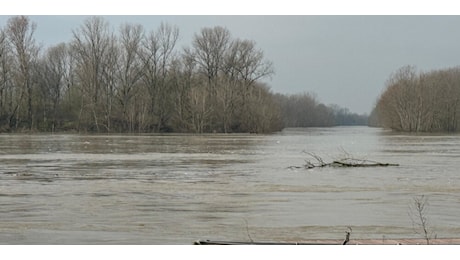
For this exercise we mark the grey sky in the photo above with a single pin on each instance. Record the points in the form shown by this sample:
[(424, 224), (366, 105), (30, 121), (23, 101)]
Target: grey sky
[(344, 60)]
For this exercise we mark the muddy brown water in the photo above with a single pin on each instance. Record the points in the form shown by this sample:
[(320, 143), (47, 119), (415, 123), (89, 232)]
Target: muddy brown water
[(178, 188)]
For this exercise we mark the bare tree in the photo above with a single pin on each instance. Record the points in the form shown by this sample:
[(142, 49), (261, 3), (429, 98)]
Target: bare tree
[(6, 93), (102, 81), (51, 73), (424, 102), (110, 80), (209, 48), (418, 212), (90, 45), (249, 62), (231, 67), (130, 72), (199, 109), (157, 56), (250, 66), (266, 113), (184, 77), (242, 67), (20, 31), (448, 99)]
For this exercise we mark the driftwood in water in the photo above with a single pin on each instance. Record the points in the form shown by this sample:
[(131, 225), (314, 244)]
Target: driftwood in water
[(360, 163), (384, 241), (345, 162)]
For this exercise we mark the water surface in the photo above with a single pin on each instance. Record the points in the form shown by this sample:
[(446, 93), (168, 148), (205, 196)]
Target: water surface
[(178, 188)]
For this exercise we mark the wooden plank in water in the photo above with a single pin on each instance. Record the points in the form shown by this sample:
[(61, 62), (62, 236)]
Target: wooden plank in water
[(405, 241), (401, 241), (309, 242)]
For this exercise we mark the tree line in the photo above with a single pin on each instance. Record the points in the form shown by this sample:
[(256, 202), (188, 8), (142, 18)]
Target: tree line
[(304, 110), (133, 80), (420, 101)]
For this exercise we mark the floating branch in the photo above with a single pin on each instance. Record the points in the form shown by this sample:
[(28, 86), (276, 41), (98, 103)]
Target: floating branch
[(344, 162), (349, 162)]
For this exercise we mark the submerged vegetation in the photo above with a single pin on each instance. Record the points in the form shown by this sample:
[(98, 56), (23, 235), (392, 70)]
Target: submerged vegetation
[(133, 80)]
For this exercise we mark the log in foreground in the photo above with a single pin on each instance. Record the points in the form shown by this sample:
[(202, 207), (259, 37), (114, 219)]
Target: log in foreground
[(383, 241), (345, 162)]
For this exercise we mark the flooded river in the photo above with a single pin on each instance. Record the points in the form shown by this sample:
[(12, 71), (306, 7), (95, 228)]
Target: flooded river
[(178, 188)]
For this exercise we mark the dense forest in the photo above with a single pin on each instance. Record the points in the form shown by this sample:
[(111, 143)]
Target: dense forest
[(420, 102), (133, 80)]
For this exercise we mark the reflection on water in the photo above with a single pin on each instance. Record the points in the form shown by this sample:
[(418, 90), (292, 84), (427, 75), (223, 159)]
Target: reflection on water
[(175, 189)]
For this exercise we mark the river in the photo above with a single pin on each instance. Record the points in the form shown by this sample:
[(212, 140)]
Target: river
[(178, 188)]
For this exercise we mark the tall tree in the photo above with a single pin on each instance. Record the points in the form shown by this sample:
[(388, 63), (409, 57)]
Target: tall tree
[(209, 48), (157, 56), (129, 72), (425, 102), (110, 80), (6, 86), (183, 77), (20, 31), (250, 66), (53, 72), (90, 46)]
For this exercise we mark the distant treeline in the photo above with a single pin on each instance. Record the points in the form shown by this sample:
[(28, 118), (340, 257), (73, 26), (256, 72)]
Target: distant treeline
[(132, 80), (420, 102), (303, 110)]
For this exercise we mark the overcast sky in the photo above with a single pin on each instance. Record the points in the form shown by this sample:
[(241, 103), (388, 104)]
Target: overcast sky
[(343, 60)]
